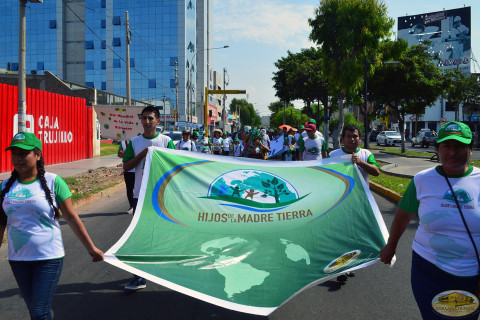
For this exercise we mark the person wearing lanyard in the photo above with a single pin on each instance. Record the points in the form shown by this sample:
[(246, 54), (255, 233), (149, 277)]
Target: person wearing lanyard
[(446, 200)]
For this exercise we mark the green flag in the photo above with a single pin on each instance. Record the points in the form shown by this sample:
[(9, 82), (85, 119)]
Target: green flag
[(248, 234)]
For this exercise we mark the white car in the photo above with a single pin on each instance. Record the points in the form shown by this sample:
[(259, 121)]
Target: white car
[(388, 137)]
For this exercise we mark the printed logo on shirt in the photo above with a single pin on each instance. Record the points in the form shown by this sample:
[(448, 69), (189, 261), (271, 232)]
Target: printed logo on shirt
[(313, 150), (462, 195), (455, 303), (23, 193)]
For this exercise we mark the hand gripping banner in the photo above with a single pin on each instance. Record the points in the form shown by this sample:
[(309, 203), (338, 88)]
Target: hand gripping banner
[(245, 234)]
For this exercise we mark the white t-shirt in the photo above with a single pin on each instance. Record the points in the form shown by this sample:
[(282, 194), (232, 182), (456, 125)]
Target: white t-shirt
[(238, 150), (313, 148), (441, 237), (217, 144), (226, 144), (137, 145), (32, 231), (364, 155), (186, 145)]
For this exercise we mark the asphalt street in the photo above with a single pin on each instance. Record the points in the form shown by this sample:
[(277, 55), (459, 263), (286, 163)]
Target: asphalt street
[(95, 290)]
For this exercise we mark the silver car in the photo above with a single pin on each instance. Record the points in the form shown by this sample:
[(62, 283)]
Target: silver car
[(389, 137)]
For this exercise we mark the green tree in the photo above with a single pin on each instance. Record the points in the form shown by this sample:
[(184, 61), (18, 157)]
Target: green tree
[(349, 119), (274, 188), (293, 117), (461, 89), (407, 87), (248, 115), (347, 31), (300, 77)]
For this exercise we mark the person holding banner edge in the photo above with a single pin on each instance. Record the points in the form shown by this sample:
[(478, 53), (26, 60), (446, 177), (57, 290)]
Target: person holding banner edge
[(134, 157), (446, 200), (29, 210), (363, 158)]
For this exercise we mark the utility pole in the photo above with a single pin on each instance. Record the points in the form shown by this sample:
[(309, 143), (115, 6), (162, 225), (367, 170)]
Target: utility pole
[(176, 92), (188, 95), (164, 112), (127, 36), (224, 98), (22, 81)]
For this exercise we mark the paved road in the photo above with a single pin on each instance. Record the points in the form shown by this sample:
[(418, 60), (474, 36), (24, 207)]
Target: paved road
[(94, 291)]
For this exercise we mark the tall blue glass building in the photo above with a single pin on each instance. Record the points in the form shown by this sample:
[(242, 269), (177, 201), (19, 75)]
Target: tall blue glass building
[(84, 41)]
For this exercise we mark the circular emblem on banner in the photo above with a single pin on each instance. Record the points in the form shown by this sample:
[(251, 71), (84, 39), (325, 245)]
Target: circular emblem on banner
[(455, 303), (342, 261)]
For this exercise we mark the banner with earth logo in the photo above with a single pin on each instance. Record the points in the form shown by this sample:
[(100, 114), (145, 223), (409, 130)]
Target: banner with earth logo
[(248, 234)]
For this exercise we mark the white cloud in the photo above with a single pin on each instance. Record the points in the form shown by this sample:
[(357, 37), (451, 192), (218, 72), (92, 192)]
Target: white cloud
[(266, 22)]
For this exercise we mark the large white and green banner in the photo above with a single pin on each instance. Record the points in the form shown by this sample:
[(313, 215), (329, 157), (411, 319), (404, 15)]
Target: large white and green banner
[(245, 234)]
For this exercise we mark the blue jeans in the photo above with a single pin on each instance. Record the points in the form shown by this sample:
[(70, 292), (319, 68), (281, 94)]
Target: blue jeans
[(428, 280), (37, 281)]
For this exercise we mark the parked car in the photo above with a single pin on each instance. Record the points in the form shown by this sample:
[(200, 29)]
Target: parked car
[(424, 138), (373, 136), (159, 129), (176, 136), (388, 137)]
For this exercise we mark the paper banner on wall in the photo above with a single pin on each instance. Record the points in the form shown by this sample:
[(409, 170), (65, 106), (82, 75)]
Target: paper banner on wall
[(122, 122), (245, 234)]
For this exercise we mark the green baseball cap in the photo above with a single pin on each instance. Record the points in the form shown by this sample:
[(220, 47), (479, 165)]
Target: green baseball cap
[(26, 141), (302, 127), (454, 130), (312, 121)]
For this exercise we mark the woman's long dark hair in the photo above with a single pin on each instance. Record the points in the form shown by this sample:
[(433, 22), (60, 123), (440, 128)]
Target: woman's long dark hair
[(43, 183)]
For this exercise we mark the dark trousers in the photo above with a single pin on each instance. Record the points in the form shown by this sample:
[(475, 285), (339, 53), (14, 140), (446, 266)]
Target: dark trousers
[(37, 281), (129, 184), (428, 281)]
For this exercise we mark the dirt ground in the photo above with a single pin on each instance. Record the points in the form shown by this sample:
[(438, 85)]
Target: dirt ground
[(93, 181)]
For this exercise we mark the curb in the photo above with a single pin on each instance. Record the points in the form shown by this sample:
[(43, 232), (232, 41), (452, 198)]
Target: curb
[(97, 196), (385, 192)]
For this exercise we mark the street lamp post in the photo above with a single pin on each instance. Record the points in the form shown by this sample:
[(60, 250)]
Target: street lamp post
[(190, 86), (22, 81)]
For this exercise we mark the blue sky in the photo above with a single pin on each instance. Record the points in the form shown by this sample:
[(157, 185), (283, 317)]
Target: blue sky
[(261, 32)]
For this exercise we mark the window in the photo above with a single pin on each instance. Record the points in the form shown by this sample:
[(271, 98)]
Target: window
[(103, 23), (89, 65), (104, 85), (14, 66), (116, 21), (89, 44), (116, 63), (90, 84), (132, 62), (116, 42), (152, 83), (53, 24), (172, 60), (103, 4), (104, 45), (104, 65), (172, 83), (40, 66)]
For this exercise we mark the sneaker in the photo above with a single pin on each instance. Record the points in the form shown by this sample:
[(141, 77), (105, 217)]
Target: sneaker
[(130, 211), (136, 284), (350, 274)]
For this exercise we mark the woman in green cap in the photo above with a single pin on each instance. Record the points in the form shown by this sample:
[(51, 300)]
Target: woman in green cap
[(445, 249), (31, 199)]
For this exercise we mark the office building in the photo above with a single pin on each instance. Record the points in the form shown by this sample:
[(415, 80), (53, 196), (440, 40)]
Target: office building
[(84, 41)]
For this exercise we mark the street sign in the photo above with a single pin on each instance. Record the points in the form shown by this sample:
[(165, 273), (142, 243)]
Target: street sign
[(412, 118), (227, 91)]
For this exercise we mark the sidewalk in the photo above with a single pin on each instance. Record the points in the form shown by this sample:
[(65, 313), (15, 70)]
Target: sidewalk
[(407, 167), (69, 169)]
